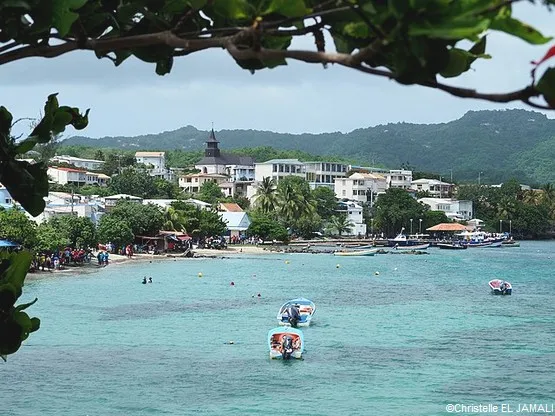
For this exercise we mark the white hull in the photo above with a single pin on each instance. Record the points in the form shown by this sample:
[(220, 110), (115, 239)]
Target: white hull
[(277, 355), (307, 323)]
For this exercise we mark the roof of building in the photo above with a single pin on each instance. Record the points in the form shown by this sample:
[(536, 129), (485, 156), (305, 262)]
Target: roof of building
[(76, 159), (149, 154), (226, 159), (375, 176), (212, 137), (236, 221), (205, 175), (230, 207), (283, 161), (429, 181), (123, 196), (66, 169)]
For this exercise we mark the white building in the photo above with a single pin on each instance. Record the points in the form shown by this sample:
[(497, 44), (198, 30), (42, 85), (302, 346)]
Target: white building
[(434, 187), (236, 222), (454, 209), (112, 200), (88, 164), (360, 187), (65, 176), (192, 182), (354, 214), (155, 163), (278, 168), (236, 167), (398, 178), (324, 173), (99, 179)]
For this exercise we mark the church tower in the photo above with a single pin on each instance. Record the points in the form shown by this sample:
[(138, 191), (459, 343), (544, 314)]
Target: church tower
[(212, 149)]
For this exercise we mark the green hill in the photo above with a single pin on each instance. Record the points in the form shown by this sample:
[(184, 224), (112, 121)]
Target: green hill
[(502, 144)]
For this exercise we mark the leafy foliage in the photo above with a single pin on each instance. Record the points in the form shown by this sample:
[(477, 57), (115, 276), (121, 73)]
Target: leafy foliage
[(141, 219), (16, 226), (394, 209), (266, 227), (210, 192), (15, 324)]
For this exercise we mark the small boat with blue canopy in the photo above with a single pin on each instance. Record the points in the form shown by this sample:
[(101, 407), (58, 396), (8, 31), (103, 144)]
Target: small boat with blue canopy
[(296, 312), (285, 343)]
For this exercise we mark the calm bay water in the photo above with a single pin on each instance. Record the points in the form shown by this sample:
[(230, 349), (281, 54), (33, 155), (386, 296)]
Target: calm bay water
[(423, 333)]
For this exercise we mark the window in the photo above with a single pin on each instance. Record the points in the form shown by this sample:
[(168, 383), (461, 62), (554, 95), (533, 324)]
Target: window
[(274, 168), (344, 192), (8, 201), (287, 168), (281, 168)]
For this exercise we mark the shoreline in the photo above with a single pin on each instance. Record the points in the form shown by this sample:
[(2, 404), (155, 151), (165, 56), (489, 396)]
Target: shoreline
[(116, 259)]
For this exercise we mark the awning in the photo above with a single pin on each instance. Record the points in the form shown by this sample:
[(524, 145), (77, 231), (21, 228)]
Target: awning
[(184, 237), (8, 243), (447, 227)]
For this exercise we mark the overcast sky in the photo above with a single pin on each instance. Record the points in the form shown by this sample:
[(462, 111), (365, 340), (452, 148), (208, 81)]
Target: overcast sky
[(209, 87)]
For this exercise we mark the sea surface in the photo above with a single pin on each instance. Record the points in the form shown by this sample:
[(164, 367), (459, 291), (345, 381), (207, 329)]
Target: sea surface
[(422, 334)]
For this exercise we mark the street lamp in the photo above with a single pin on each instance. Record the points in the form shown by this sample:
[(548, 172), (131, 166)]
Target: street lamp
[(451, 170), (510, 227), (420, 226), (372, 226), (500, 226), (411, 226), (479, 177)]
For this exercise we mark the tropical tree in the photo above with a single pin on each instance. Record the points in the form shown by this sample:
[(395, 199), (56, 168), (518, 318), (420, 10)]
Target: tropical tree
[(265, 197), (210, 192), (394, 209), (142, 219), (341, 223), (174, 220), (49, 238), (16, 226), (326, 202), (79, 231), (134, 181), (112, 229), (266, 227)]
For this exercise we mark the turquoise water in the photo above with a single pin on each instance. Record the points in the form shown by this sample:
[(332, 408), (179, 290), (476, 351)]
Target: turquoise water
[(423, 333)]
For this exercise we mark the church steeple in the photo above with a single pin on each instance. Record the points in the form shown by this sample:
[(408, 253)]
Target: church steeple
[(212, 149)]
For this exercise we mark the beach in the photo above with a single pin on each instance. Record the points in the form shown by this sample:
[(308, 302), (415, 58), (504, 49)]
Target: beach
[(143, 257)]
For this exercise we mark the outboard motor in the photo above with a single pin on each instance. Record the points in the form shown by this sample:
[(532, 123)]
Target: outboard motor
[(503, 287), (286, 347), (294, 315)]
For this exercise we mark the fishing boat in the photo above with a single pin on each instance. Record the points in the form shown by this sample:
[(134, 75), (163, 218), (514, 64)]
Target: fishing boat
[(401, 240), (423, 246), (285, 343), (500, 287), (510, 243), (356, 252), (478, 239), (452, 246), (296, 312)]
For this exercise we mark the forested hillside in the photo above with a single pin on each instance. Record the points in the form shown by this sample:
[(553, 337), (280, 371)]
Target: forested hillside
[(500, 144)]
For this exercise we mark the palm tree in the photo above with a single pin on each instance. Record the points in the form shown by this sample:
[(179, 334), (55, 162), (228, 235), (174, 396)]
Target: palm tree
[(174, 220), (341, 223), (265, 197)]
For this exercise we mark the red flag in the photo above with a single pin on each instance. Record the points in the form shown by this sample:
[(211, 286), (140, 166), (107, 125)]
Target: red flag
[(550, 53)]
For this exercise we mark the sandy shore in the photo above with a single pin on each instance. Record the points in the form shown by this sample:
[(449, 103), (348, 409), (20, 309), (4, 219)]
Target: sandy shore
[(116, 259)]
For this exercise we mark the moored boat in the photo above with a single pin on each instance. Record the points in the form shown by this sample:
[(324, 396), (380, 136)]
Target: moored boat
[(412, 247), (510, 243), (401, 240), (296, 312), (285, 343), (500, 287), (370, 252), (452, 246)]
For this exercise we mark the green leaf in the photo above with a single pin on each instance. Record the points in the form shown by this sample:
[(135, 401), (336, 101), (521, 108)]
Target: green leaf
[(458, 63), (398, 7), (15, 274), (6, 119), (23, 320), (61, 120), (27, 184), (457, 29), (519, 29), (546, 85), (356, 30), (287, 8), (35, 324), (164, 66), (25, 305), (26, 145), (63, 16), (233, 9)]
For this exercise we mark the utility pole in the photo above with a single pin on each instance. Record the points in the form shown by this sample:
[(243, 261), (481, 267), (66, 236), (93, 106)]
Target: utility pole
[(479, 177)]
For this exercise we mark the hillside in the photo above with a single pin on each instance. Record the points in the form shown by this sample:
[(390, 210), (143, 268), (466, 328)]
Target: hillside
[(501, 144)]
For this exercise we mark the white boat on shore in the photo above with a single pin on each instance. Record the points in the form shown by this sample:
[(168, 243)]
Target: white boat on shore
[(370, 252)]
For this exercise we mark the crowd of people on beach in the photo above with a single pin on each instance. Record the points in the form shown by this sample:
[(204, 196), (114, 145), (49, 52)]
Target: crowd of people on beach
[(56, 260)]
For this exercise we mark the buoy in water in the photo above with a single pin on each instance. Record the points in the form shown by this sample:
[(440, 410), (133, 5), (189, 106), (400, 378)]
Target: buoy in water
[(286, 261), (232, 284), (395, 269), (337, 266), (199, 274), (377, 273)]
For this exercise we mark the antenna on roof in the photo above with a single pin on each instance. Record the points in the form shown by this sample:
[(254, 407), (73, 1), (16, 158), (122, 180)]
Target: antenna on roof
[(212, 125)]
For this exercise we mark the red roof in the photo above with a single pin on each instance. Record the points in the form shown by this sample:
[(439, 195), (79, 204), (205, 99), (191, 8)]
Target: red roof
[(230, 207), (67, 169)]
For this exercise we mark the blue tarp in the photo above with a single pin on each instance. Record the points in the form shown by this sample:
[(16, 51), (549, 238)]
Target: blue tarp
[(7, 243)]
